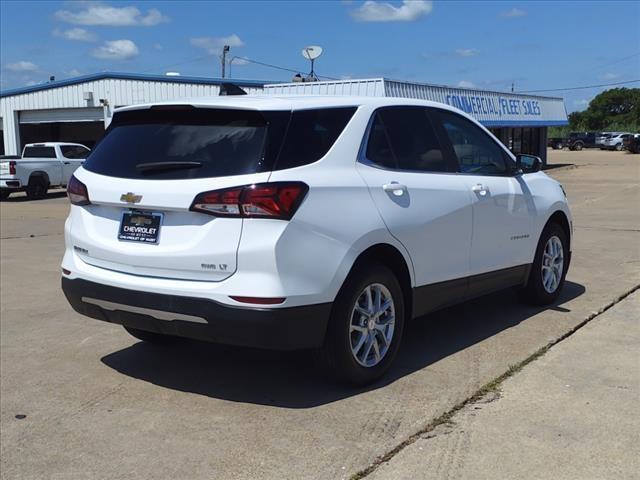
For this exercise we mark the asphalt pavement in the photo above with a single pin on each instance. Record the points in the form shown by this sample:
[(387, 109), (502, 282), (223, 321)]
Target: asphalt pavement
[(82, 399)]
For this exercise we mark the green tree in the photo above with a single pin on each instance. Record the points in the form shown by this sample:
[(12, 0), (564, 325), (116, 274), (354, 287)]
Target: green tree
[(617, 109)]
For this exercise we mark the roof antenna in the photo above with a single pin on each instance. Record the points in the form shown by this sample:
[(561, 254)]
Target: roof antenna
[(311, 53)]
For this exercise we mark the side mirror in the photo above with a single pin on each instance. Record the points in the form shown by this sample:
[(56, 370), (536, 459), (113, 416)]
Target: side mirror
[(528, 163)]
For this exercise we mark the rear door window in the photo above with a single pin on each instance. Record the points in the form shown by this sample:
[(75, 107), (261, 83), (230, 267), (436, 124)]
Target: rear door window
[(74, 152), (39, 152), (403, 138)]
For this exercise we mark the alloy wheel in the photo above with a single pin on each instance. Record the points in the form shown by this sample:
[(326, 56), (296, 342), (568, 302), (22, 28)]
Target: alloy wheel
[(552, 264), (372, 325)]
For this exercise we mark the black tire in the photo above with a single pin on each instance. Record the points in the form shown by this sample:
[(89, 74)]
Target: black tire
[(335, 359), (577, 147), (619, 147), (557, 146), (4, 194), (151, 337), (37, 188), (535, 292)]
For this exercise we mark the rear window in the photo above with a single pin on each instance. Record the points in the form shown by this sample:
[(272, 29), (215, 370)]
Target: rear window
[(39, 152), (181, 143), (74, 152)]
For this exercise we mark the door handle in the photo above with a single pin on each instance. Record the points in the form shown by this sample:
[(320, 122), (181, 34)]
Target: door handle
[(394, 187), (480, 189), (67, 163)]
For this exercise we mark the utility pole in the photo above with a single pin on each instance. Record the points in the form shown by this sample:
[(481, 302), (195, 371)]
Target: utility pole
[(513, 86), (225, 50)]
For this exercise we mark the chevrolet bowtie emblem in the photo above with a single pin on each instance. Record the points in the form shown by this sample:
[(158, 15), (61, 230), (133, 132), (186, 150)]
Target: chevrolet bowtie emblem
[(130, 197)]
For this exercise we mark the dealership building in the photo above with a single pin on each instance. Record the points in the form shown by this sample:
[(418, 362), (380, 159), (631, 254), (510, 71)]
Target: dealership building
[(79, 109)]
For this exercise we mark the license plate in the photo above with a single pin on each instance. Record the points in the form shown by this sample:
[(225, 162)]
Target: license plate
[(143, 227)]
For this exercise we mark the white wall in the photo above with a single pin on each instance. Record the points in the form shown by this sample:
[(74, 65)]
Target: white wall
[(118, 93)]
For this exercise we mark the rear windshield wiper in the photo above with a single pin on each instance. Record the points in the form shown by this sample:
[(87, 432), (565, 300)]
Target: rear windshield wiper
[(158, 166)]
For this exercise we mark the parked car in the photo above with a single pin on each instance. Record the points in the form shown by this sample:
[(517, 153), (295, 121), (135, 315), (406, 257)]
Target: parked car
[(557, 143), (615, 142), (580, 140), (632, 143), (308, 222), (42, 166), (602, 137)]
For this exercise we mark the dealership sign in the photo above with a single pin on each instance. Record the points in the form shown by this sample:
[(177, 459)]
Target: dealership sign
[(502, 106), (493, 109)]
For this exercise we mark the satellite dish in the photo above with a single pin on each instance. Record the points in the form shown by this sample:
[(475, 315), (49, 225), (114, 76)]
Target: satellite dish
[(311, 52)]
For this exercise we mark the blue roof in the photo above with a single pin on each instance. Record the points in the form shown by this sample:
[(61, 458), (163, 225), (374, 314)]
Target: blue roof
[(131, 76)]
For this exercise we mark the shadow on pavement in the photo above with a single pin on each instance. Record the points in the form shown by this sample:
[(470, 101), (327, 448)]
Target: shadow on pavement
[(551, 166), (22, 197), (287, 379)]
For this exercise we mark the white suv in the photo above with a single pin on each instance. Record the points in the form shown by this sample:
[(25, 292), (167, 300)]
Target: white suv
[(306, 222), (616, 141)]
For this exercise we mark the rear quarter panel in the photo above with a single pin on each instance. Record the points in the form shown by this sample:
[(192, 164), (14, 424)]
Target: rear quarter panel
[(51, 166)]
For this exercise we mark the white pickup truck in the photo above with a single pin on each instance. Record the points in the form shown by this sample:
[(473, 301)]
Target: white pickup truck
[(42, 166)]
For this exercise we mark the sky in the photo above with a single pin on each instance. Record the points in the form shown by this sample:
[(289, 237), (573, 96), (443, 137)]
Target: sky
[(534, 45)]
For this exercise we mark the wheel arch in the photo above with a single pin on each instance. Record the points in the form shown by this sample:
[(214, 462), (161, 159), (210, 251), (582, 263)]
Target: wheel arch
[(40, 174), (392, 258), (561, 219)]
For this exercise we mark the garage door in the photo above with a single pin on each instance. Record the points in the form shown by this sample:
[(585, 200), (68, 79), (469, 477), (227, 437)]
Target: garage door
[(62, 115)]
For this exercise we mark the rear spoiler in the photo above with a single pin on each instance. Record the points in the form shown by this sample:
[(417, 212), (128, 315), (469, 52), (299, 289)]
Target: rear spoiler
[(231, 89)]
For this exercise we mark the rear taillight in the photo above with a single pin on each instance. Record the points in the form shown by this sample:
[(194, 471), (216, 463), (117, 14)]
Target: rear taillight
[(12, 168), (278, 200), (77, 191)]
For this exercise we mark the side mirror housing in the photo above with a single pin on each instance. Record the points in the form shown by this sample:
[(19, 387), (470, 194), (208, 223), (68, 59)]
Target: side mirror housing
[(528, 163)]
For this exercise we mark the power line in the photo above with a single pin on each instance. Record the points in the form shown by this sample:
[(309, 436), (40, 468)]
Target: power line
[(280, 68), (246, 59), (598, 67), (580, 88)]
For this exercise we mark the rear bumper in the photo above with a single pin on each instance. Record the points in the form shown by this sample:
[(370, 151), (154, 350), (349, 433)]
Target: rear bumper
[(202, 319), (10, 184)]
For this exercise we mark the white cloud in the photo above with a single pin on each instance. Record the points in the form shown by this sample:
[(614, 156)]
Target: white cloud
[(158, 47), (467, 52), (239, 61), (74, 72), (514, 12), (610, 76), (375, 11), (22, 66), (581, 103), (77, 34), (116, 50), (106, 15), (466, 84), (214, 45)]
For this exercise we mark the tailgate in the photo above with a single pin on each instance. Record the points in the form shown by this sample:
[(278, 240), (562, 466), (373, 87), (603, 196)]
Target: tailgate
[(190, 245)]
